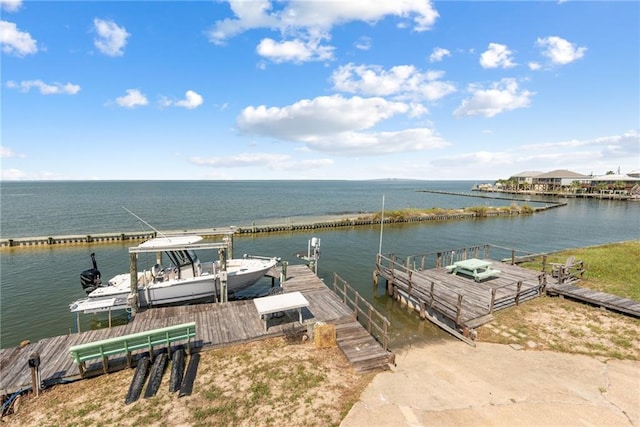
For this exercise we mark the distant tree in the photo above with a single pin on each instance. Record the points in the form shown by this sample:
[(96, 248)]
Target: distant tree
[(601, 186), (610, 173), (575, 185)]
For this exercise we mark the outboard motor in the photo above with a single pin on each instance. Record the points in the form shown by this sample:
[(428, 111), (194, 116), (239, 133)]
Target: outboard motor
[(90, 279)]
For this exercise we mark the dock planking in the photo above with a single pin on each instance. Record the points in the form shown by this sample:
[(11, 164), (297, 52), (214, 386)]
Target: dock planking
[(218, 325), (458, 302), (599, 299)]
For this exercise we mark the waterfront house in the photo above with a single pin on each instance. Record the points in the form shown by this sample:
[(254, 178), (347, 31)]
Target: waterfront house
[(616, 184), (558, 180), (524, 180)]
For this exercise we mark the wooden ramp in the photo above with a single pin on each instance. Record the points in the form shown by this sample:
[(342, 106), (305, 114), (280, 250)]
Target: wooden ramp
[(599, 299), (218, 325)]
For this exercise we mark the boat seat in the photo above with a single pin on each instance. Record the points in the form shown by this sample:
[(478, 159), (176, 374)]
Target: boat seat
[(156, 269)]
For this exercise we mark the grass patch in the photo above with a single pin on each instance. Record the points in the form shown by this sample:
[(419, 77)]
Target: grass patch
[(572, 327)]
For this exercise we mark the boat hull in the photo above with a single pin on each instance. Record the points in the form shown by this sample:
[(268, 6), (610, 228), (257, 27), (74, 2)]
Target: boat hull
[(240, 275)]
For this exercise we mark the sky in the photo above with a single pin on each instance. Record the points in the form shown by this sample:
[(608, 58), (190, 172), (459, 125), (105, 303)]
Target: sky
[(332, 89)]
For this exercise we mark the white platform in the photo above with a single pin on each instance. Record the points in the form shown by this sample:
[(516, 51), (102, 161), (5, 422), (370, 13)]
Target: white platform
[(283, 302)]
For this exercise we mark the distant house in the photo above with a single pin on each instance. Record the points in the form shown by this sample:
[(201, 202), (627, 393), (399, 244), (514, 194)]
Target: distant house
[(557, 180), (524, 180), (615, 182)]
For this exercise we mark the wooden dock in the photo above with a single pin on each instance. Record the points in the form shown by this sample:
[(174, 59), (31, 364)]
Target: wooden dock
[(457, 303), (599, 299), (218, 325)]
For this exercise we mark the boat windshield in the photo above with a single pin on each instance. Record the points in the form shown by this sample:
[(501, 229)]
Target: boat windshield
[(182, 258)]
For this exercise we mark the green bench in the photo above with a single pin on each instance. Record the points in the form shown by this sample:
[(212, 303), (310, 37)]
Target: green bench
[(128, 343), (490, 272), (477, 268)]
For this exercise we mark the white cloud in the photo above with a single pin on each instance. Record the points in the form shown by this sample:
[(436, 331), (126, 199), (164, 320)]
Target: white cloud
[(304, 24), (10, 5), (133, 98), (502, 96), (363, 43), (324, 115), (16, 42), (497, 55), (267, 160), (477, 158), (111, 39), (12, 174), (534, 66), (378, 143), (192, 100), (336, 124), (294, 50), (438, 53), (400, 82), (559, 50), (45, 88), (8, 153), (612, 146)]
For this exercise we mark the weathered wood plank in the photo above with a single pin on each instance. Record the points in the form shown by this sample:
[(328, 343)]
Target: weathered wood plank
[(217, 325)]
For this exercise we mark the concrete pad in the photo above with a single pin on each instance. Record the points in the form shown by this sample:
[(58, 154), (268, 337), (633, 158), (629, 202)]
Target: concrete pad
[(453, 383)]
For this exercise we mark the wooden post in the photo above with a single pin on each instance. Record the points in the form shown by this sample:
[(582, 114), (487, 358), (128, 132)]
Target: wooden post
[(283, 276), (513, 256), (222, 253), (459, 309), (431, 294), (133, 272), (344, 292), (518, 292), (355, 304), (34, 364), (493, 299)]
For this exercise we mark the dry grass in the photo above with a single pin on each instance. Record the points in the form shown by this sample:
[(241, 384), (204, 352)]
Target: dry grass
[(271, 382), (566, 326), (572, 327)]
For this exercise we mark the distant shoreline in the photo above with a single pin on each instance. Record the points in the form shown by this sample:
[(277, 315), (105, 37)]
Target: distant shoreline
[(288, 225)]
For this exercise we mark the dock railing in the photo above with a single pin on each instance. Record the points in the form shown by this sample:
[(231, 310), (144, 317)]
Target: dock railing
[(407, 272), (376, 324), (435, 296)]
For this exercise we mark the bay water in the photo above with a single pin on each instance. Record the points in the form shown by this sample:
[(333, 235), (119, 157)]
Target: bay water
[(37, 284)]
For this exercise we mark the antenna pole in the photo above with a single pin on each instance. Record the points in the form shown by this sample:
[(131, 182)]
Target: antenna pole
[(381, 226), (144, 222)]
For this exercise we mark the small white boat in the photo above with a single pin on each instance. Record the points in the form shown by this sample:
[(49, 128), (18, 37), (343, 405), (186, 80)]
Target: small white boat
[(183, 280)]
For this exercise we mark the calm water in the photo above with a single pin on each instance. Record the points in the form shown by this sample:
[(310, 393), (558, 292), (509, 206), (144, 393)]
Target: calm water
[(37, 284)]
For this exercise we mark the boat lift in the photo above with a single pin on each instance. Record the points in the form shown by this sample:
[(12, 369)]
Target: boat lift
[(225, 251), (313, 254)]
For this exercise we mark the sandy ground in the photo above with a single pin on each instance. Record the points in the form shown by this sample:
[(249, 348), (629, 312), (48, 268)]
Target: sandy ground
[(286, 381), (453, 383)]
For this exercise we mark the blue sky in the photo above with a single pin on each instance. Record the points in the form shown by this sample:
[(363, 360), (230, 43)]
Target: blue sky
[(331, 89)]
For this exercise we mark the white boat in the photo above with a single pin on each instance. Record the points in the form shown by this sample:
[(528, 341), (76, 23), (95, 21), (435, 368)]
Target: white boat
[(184, 279)]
